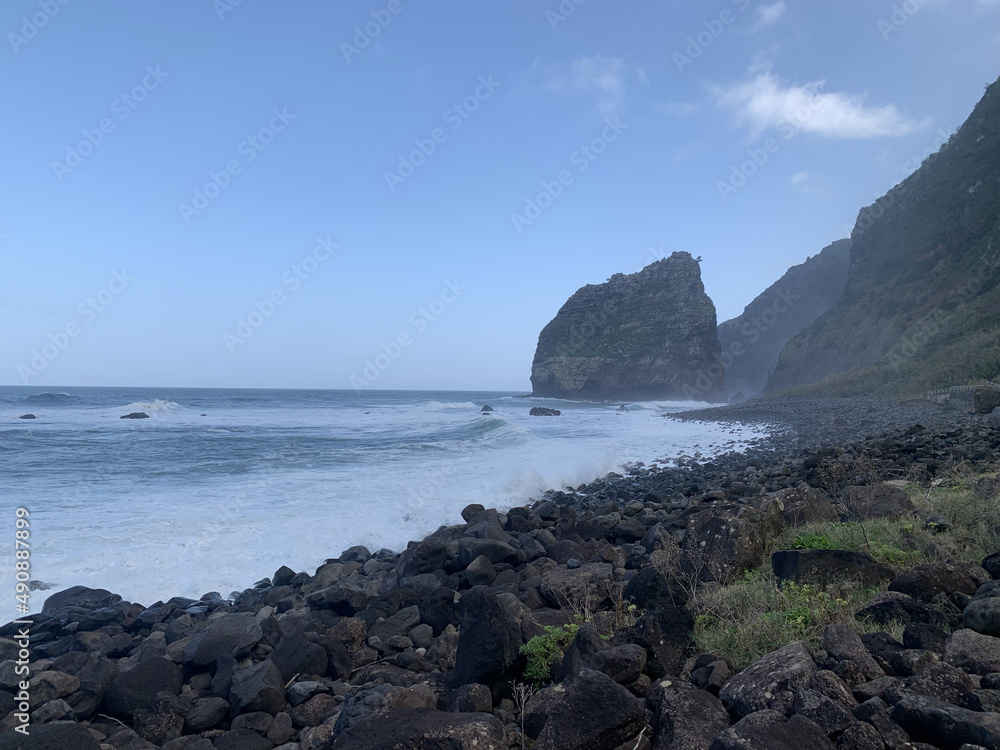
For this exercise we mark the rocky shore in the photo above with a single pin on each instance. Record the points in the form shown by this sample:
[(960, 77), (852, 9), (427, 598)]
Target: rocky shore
[(572, 622)]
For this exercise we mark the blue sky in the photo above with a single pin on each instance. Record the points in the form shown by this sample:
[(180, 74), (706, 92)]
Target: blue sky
[(401, 194)]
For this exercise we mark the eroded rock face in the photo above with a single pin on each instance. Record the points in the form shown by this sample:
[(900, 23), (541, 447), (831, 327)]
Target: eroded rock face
[(648, 335)]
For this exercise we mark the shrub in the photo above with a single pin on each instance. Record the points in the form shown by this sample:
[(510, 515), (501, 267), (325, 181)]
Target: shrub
[(542, 648)]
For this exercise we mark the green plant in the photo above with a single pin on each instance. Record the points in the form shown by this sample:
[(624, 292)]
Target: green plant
[(542, 648), (807, 540)]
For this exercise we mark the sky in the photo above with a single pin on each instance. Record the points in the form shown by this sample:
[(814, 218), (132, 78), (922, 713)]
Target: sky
[(400, 194)]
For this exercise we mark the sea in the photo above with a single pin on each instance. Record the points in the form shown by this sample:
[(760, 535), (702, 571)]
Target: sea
[(218, 488)]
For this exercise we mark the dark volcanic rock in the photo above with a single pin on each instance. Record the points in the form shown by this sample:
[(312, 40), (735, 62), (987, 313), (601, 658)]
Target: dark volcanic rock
[(865, 503), (684, 717), (649, 335), (770, 682), (231, 634), (257, 688), (422, 729), (487, 645), (973, 652), (770, 730), (574, 723), (135, 415), (946, 725), (825, 566), (57, 735), (888, 606), (137, 688), (79, 596), (541, 411), (926, 581), (27, 416), (724, 540)]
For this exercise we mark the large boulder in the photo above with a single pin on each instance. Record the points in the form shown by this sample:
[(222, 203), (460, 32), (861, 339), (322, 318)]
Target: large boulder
[(488, 645), (842, 642), (666, 635), (138, 687), (232, 634), (770, 682), (79, 596), (422, 729), (944, 725), (926, 581), (771, 730), (826, 566), (574, 720), (725, 540), (566, 587), (56, 735), (982, 613), (973, 652), (892, 606), (367, 701), (865, 503), (684, 717), (257, 688), (802, 505)]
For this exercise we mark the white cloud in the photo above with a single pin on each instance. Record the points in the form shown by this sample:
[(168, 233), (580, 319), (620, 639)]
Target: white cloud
[(677, 109), (605, 75), (768, 15), (807, 183), (761, 103)]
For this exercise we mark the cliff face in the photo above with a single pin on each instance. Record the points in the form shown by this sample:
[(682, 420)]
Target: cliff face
[(922, 302), (648, 335), (752, 342)]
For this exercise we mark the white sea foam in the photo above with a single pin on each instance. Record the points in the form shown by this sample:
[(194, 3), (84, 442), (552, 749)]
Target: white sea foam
[(221, 501)]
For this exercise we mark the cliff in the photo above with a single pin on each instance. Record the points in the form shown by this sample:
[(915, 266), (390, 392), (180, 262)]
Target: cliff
[(648, 335), (922, 302), (752, 342)]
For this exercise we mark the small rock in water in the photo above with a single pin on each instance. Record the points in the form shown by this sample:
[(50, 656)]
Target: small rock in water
[(487, 407), (541, 411), (135, 415), (27, 416)]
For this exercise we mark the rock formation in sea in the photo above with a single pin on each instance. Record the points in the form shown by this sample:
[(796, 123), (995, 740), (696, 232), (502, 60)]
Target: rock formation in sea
[(752, 341), (643, 336)]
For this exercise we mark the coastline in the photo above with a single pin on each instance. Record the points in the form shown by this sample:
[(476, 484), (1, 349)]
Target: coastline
[(440, 626)]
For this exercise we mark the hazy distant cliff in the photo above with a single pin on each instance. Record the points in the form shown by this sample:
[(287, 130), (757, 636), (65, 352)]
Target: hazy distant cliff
[(922, 302), (752, 342), (648, 335)]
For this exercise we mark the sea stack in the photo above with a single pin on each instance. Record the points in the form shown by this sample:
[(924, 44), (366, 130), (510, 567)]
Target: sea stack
[(643, 336)]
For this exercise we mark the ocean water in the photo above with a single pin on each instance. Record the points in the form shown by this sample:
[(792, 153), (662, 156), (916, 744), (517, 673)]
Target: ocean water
[(218, 488)]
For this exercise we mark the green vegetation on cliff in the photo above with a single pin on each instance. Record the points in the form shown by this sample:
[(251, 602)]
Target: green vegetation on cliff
[(922, 304)]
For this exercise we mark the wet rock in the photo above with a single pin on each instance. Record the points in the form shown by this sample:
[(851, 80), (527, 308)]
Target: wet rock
[(79, 596), (541, 411), (770, 682), (826, 566), (27, 416), (135, 415)]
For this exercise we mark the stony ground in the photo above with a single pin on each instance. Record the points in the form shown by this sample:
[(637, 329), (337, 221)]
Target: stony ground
[(424, 649)]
